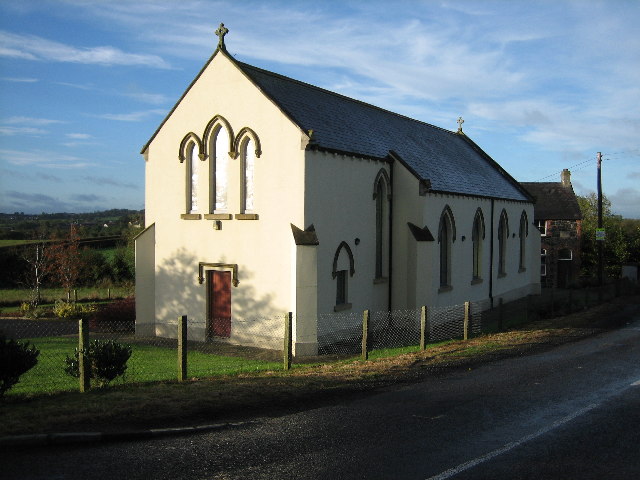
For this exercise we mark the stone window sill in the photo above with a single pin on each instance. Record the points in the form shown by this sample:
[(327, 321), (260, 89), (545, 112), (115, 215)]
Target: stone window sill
[(246, 216), (218, 216), (445, 288), (502, 274), (378, 280), (190, 216), (520, 270), (476, 281), (342, 307)]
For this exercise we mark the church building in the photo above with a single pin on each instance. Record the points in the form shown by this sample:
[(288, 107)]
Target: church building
[(266, 195)]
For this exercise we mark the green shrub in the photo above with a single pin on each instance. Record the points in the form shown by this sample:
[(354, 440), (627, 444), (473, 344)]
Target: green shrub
[(30, 310), (71, 310), (106, 360), (16, 358)]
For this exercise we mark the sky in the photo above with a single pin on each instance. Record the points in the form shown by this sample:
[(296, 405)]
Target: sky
[(541, 85)]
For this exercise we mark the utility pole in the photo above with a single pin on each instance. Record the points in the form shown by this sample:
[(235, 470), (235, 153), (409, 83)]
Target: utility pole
[(600, 232)]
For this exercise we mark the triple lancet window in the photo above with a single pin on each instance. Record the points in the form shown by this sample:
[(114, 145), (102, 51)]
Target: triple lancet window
[(231, 159)]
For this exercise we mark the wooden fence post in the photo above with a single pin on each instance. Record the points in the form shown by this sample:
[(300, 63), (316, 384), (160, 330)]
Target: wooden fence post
[(365, 335), (84, 369), (288, 341), (424, 325), (108, 294), (75, 295), (466, 321), (182, 348), (500, 315)]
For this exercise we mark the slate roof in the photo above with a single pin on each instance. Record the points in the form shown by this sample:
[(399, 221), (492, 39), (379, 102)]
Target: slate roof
[(450, 161), (553, 201)]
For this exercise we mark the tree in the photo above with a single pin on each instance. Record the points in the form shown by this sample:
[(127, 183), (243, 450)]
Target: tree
[(65, 261), (36, 258), (615, 243)]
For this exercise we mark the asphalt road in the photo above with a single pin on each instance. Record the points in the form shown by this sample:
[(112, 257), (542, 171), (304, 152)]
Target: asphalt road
[(573, 412)]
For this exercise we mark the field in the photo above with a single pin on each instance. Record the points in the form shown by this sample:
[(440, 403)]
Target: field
[(15, 296)]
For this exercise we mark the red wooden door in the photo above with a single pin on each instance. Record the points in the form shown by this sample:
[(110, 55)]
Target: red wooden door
[(219, 291)]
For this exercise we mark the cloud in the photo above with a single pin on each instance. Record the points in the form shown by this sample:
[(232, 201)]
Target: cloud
[(19, 80), (150, 98), (41, 158), (31, 47), (87, 198), (79, 136), (30, 121), (626, 202), (32, 202), (133, 116), (11, 131), (102, 181)]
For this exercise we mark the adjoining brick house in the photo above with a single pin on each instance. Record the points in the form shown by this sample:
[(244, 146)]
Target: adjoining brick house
[(557, 215)]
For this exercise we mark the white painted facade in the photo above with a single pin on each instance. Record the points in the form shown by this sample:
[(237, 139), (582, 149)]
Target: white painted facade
[(294, 184)]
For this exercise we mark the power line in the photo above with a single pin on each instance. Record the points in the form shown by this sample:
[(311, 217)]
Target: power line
[(586, 162)]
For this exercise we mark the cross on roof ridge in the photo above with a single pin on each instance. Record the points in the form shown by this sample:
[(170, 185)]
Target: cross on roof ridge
[(221, 32)]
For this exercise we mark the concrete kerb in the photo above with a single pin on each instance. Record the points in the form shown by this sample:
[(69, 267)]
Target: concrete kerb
[(51, 439)]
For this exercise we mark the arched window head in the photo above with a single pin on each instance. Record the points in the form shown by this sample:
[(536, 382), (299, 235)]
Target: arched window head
[(477, 238), (446, 236), (524, 231), (503, 235)]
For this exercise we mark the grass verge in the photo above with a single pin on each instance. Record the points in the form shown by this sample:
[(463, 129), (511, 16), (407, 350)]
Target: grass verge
[(227, 398)]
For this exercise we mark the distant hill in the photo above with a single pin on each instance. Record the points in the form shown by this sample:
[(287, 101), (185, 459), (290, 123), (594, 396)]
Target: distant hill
[(106, 223)]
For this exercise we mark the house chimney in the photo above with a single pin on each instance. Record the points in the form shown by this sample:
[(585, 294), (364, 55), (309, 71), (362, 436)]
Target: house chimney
[(565, 178)]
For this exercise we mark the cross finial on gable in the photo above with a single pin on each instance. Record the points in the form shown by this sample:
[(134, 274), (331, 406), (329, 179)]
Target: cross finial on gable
[(221, 32), (460, 122)]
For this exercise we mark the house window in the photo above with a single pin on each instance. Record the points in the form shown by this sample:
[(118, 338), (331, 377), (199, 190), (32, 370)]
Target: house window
[(565, 254), (503, 235), (543, 262), (523, 241), (247, 162), (446, 235), (341, 287), (221, 169), (542, 226), (477, 235), (192, 178)]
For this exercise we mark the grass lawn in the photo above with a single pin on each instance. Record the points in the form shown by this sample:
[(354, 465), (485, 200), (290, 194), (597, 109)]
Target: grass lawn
[(147, 363)]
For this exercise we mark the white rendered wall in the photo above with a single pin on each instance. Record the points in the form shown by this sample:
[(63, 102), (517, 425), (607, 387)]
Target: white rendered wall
[(261, 248)]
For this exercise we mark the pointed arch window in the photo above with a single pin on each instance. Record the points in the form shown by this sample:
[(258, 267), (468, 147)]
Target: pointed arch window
[(446, 237), (343, 268), (220, 168), (477, 238), (247, 166), (192, 178), (381, 196), (523, 233), (503, 235)]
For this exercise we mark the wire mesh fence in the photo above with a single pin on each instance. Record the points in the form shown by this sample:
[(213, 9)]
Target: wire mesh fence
[(257, 344)]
